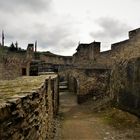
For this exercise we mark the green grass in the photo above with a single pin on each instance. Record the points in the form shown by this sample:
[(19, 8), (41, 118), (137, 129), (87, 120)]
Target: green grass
[(119, 119)]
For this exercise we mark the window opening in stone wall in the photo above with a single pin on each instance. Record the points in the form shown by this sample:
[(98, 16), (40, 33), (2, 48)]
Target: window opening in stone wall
[(23, 71)]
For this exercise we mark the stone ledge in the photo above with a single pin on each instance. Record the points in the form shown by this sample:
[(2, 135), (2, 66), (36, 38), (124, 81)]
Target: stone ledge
[(28, 107), (11, 90)]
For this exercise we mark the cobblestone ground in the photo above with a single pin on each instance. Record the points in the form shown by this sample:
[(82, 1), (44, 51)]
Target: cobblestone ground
[(80, 122)]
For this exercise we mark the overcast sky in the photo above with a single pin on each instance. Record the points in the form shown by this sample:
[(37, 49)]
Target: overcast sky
[(58, 25)]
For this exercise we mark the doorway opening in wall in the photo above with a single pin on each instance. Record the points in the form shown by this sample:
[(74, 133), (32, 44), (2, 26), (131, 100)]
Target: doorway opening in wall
[(75, 86), (33, 68), (23, 71)]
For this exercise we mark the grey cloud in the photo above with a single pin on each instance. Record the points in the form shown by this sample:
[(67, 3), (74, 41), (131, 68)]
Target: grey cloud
[(69, 43), (52, 32), (110, 28), (53, 38), (111, 31), (57, 39), (23, 5), (57, 34)]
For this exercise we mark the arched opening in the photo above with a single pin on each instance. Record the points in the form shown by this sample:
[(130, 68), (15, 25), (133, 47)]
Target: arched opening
[(73, 85)]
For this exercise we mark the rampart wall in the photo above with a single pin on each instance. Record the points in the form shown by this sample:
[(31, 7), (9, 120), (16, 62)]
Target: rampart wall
[(122, 78), (122, 50)]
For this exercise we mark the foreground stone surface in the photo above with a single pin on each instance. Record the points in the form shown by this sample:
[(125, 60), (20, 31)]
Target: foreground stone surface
[(91, 121), (27, 107)]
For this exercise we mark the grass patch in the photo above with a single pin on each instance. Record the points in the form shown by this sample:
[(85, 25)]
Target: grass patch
[(120, 119)]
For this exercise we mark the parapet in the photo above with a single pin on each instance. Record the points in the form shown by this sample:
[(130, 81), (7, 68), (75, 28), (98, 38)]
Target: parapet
[(133, 33), (93, 44), (118, 44), (96, 44)]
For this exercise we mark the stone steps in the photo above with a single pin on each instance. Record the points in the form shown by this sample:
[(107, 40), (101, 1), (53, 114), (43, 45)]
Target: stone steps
[(63, 86)]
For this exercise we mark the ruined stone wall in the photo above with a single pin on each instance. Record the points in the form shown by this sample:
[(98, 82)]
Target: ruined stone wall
[(127, 49), (10, 68), (29, 112), (87, 83), (1, 69), (124, 88), (105, 59), (113, 60), (125, 85), (86, 54), (94, 85), (11, 65), (56, 59), (122, 50)]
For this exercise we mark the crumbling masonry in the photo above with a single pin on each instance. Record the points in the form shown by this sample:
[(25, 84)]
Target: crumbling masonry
[(90, 74)]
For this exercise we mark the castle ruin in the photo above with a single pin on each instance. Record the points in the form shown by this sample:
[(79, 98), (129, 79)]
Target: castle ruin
[(90, 74)]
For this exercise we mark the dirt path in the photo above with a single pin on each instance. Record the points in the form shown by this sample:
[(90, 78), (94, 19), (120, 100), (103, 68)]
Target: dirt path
[(79, 122)]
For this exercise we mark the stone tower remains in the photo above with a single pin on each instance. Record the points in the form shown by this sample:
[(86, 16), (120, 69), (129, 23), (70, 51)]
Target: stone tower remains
[(35, 46), (2, 38), (30, 51)]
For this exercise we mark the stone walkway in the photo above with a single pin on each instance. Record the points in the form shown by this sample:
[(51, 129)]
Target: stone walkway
[(79, 122)]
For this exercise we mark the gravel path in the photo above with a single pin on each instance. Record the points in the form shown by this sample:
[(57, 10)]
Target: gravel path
[(80, 122)]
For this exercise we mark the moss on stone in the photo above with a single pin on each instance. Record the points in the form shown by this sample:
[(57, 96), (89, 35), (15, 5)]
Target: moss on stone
[(9, 89)]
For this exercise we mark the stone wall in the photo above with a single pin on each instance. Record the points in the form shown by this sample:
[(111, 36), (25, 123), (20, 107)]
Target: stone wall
[(125, 85), (86, 53), (51, 58), (12, 64), (121, 53), (125, 49), (28, 107), (87, 66), (87, 83)]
